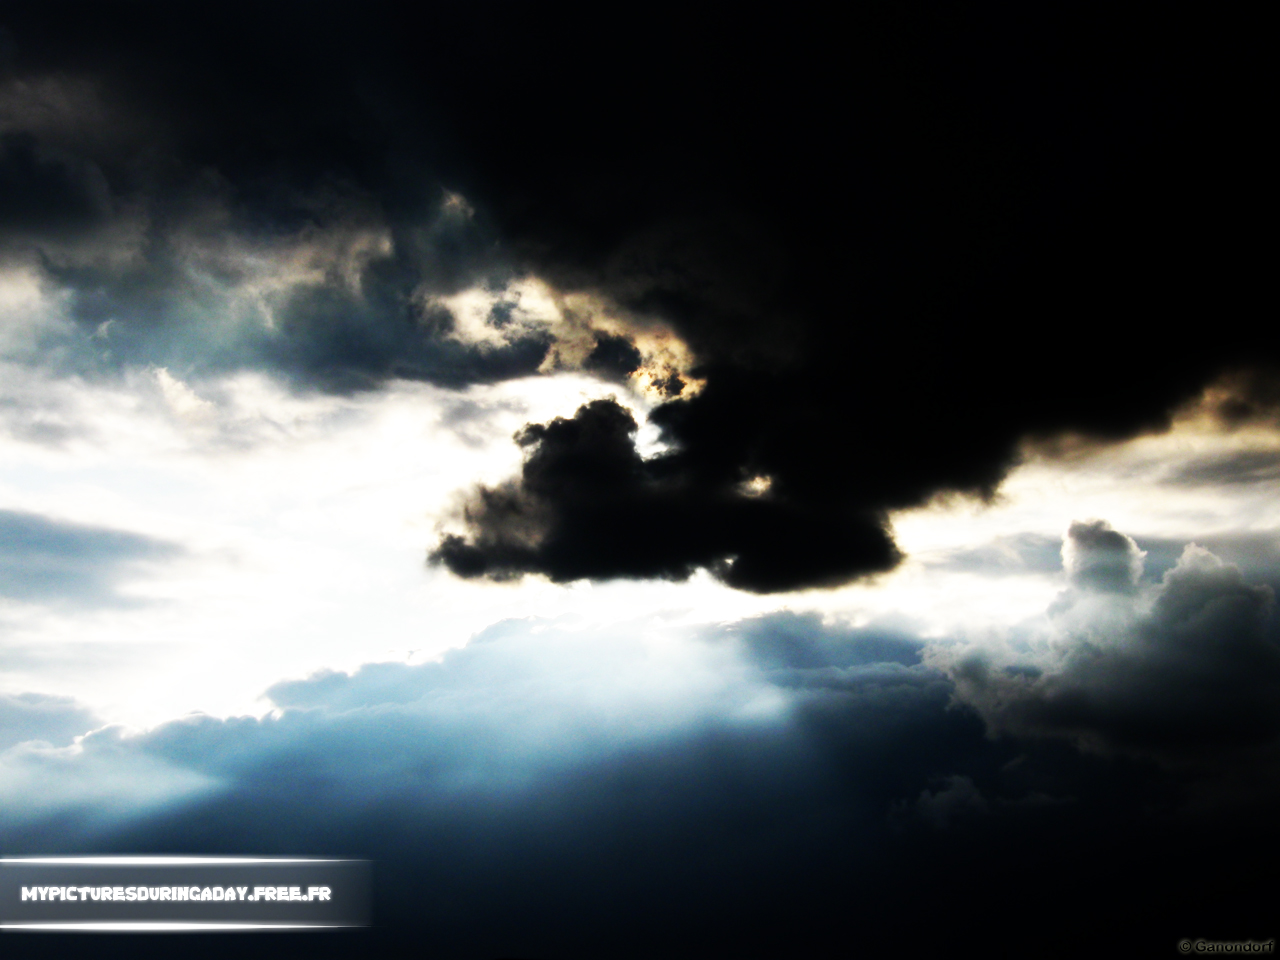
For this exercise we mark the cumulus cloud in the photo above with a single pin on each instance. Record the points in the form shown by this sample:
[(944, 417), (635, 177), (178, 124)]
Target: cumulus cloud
[(1098, 559), (1184, 671)]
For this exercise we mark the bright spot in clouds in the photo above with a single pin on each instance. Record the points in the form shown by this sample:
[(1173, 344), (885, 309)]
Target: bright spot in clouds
[(298, 525)]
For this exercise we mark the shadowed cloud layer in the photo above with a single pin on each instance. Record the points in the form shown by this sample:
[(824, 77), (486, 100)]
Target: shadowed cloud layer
[(851, 224), (558, 790)]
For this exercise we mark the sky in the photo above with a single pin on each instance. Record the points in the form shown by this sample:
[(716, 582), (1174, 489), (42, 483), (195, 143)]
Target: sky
[(655, 483)]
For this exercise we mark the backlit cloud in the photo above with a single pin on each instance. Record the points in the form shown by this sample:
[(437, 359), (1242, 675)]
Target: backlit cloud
[(1185, 670)]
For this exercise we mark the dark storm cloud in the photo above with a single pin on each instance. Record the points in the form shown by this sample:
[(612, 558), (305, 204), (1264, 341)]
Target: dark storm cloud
[(854, 222), (224, 198), (588, 505), (47, 196), (855, 227), (509, 816), (51, 561), (1186, 671), (613, 358)]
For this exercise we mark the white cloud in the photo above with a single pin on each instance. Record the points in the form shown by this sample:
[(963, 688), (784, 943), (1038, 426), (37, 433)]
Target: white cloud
[(303, 522), (523, 699)]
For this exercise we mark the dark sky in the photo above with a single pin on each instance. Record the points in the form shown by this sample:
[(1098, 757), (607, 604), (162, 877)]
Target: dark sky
[(899, 244)]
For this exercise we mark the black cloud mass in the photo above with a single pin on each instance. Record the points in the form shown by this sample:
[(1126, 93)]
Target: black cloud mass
[(587, 505), (896, 243)]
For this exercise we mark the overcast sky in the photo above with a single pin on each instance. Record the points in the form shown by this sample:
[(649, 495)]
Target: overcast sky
[(698, 486)]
